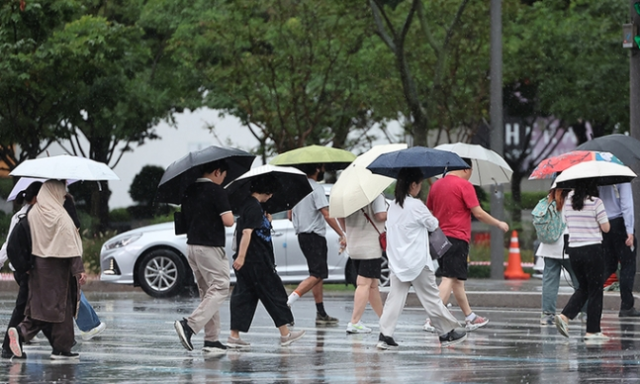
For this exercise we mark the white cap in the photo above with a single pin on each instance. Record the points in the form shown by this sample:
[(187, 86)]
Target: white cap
[(553, 185)]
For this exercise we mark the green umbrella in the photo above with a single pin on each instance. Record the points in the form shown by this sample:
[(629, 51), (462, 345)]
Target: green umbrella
[(315, 154)]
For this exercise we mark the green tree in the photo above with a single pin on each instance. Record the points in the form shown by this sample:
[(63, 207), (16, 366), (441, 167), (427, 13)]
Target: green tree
[(563, 62), (441, 56), (29, 112), (294, 72), (83, 71), (145, 184)]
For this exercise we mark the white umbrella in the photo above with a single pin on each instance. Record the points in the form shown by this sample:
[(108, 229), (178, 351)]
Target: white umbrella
[(65, 167), (488, 167), (358, 186), (601, 172), (24, 182)]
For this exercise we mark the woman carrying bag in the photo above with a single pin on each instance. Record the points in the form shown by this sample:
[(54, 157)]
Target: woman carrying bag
[(410, 264)]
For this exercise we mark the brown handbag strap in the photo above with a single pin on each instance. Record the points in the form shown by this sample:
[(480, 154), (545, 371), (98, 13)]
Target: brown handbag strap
[(369, 219)]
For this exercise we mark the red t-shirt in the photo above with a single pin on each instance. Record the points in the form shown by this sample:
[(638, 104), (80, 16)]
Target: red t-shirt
[(450, 200)]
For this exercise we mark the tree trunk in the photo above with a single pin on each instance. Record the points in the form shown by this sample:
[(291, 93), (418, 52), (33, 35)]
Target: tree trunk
[(418, 114), (100, 192)]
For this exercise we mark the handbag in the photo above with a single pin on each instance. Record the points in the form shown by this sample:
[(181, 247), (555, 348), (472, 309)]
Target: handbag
[(382, 236), (179, 223), (438, 244)]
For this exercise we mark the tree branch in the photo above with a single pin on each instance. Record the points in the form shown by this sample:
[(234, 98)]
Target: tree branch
[(377, 10)]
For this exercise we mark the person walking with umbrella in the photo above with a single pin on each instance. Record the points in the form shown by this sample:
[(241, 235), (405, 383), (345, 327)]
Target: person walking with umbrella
[(28, 197), (55, 277), (453, 200), (254, 266), (363, 228), (586, 220), (408, 223), (619, 243), (309, 217), (206, 213)]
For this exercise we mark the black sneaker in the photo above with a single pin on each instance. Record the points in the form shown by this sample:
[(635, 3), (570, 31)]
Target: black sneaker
[(57, 355), (452, 338), (325, 319), (184, 333), (214, 346), (386, 342), (632, 312)]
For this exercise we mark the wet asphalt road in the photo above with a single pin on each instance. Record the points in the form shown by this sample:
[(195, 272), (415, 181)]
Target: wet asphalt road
[(140, 346)]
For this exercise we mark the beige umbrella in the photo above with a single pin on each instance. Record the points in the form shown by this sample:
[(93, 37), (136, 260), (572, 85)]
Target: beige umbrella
[(357, 186), (488, 167)]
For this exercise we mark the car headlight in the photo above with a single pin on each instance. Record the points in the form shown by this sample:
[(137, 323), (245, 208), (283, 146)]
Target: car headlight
[(122, 241)]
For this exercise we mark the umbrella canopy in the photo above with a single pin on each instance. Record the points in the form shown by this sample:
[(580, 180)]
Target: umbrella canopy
[(602, 173), (626, 148), (552, 165), (293, 186), (431, 162), (24, 182), (488, 167), (335, 158), (357, 186), (183, 172), (64, 167)]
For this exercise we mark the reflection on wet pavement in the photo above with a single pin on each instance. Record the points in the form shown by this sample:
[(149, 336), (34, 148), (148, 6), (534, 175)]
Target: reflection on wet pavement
[(140, 345)]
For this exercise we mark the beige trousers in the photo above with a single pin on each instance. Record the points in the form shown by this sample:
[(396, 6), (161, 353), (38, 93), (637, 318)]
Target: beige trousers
[(429, 296), (211, 269)]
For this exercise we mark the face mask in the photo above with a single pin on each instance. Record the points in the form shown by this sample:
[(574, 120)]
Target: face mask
[(320, 176)]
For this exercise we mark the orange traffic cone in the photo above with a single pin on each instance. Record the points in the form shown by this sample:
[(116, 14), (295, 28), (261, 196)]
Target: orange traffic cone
[(514, 267), (612, 279)]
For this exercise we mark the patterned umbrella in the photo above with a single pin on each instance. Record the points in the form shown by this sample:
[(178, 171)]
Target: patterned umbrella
[(552, 165)]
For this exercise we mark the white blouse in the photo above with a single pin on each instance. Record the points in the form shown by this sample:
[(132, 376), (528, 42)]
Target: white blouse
[(408, 238)]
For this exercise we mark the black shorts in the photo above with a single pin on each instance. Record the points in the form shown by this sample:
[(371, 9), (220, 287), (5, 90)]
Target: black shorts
[(453, 263), (371, 268), (314, 249)]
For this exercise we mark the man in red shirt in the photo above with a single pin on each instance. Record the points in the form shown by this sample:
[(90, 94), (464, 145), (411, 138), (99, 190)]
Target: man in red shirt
[(452, 200)]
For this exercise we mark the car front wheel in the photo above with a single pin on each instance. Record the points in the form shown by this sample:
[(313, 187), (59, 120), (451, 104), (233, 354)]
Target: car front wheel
[(162, 273)]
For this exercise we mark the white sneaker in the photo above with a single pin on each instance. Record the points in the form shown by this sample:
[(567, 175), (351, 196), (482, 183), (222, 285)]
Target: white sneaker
[(428, 327), (596, 338), (90, 334), (477, 322), (357, 328)]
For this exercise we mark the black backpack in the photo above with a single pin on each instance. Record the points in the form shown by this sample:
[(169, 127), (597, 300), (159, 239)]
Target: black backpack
[(19, 245)]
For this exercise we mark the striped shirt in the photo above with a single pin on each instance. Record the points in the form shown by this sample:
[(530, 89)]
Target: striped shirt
[(584, 225)]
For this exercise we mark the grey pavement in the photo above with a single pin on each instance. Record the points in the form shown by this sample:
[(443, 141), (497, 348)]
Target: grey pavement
[(140, 345)]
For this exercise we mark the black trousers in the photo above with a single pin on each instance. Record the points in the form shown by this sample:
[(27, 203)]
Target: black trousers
[(21, 302), (258, 282), (588, 265), (615, 251)]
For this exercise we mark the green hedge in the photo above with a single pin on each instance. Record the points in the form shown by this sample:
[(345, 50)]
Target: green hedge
[(528, 199)]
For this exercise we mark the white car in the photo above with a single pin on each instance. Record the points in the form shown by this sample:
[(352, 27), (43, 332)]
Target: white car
[(154, 258)]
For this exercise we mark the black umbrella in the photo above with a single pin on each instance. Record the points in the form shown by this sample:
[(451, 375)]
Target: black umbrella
[(291, 186), (184, 171), (626, 148), (431, 162)]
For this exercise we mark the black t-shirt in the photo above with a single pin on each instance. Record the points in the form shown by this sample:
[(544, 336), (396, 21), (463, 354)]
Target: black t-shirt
[(260, 247), (202, 204)]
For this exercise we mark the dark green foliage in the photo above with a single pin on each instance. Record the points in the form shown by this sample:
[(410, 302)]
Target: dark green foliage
[(119, 215), (145, 184)]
